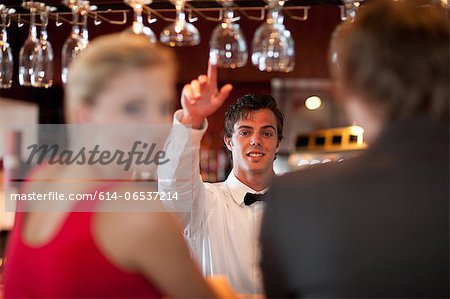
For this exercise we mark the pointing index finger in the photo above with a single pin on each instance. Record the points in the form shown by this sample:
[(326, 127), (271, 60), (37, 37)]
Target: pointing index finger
[(212, 73)]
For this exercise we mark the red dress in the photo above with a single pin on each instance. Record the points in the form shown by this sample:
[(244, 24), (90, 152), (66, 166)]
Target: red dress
[(71, 265)]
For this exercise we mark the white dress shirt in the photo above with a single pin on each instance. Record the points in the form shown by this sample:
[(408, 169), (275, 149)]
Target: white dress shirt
[(223, 233)]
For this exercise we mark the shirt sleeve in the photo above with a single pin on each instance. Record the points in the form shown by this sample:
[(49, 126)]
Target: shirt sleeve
[(182, 174)]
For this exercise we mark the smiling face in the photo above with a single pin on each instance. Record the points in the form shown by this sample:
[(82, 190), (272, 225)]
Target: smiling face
[(254, 143)]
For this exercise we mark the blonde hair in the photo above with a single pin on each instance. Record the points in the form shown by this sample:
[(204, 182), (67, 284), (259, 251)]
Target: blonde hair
[(108, 56)]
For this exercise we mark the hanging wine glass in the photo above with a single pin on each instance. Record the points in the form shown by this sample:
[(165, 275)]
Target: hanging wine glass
[(85, 9), (31, 46), (75, 43), (273, 45), (228, 47), (42, 64), (6, 59), (180, 33), (348, 10), (138, 26)]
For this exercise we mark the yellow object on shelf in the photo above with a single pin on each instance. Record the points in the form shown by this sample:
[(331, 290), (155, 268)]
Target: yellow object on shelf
[(336, 139)]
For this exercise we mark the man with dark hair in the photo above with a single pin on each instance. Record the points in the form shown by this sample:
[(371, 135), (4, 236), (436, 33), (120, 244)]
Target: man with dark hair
[(223, 225), (375, 226), (247, 104)]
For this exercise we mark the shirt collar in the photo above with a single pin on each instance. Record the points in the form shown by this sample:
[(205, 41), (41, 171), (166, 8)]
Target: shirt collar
[(239, 189)]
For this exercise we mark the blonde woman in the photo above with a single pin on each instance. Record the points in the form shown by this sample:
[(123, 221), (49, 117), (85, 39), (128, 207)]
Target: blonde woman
[(120, 79)]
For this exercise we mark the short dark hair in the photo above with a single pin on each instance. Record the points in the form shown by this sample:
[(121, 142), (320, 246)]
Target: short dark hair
[(248, 104), (396, 54)]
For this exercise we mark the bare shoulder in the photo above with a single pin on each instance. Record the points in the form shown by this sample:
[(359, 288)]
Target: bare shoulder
[(141, 213), (122, 235), (44, 173)]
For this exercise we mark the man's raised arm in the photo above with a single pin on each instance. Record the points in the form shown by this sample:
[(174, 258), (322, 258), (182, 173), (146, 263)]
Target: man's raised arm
[(200, 98)]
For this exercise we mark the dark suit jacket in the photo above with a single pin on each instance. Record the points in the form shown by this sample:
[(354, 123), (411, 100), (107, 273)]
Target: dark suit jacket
[(372, 226)]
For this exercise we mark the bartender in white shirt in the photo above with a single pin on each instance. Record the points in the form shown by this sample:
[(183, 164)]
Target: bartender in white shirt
[(224, 223)]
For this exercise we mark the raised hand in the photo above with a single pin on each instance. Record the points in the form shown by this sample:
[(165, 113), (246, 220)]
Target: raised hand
[(201, 97)]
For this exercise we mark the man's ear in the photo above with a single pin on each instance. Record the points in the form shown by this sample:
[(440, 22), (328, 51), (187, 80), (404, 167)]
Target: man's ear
[(278, 145), (228, 142)]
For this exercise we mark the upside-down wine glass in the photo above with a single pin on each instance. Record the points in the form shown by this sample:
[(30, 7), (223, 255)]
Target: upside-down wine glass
[(6, 59), (273, 46), (84, 21), (349, 10), (227, 46), (180, 33), (138, 26), (42, 64), (75, 43), (31, 46)]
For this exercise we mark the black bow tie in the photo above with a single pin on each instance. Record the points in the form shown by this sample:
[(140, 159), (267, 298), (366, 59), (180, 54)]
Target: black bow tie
[(251, 198)]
